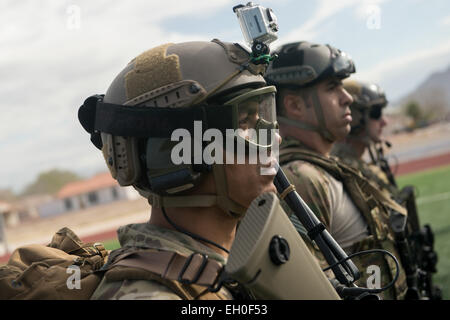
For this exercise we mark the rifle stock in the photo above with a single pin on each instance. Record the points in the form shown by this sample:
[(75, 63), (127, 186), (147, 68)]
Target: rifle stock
[(270, 258)]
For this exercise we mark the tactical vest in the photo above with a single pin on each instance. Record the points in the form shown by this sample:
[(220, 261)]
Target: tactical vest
[(188, 277), (366, 169), (373, 204)]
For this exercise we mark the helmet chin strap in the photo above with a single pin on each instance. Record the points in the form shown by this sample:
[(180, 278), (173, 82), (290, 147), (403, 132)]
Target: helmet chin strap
[(321, 128), (220, 199), (223, 199)]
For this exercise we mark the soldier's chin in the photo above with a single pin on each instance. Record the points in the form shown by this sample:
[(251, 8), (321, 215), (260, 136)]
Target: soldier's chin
[(268, 188), (272, 188), (376, 139), (340, 135), (268, 171), (270, 168)]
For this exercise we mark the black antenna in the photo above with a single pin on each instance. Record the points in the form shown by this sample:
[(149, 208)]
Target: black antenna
[(346, 272)]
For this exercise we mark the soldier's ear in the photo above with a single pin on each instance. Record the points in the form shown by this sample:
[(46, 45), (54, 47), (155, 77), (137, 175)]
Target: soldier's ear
[(294, 106)]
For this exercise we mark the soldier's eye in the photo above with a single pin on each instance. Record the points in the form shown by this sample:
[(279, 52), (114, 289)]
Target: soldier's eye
[(243, 122), (332, 86)]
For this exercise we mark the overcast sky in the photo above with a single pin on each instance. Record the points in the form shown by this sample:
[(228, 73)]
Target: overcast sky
[(55, 53)]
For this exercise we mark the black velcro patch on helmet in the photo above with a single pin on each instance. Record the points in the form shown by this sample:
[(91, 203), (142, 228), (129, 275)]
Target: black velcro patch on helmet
[(289, 58)]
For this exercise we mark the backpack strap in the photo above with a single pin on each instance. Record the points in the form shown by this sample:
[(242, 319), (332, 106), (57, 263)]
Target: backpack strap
[(194, 269), (189, 277), (184, 291)]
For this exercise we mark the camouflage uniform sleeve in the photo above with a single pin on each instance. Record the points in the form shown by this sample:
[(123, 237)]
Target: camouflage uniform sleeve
[(133, 290), (312, 186)]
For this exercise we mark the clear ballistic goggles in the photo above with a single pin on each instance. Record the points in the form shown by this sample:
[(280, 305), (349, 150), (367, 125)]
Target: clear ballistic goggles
[(254, 116)]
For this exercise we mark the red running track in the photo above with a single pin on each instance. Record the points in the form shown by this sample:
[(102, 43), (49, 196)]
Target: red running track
[(422, 164)]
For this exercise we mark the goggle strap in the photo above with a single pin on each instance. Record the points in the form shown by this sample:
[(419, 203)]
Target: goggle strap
[(142, 122)]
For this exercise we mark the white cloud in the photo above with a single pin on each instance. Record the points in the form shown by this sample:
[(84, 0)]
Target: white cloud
[(325, 10), (445, 21)]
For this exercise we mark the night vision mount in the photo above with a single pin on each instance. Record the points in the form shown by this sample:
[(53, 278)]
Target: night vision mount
[(259, 26)]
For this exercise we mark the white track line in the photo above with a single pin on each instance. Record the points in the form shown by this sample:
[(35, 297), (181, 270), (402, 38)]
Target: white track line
[(434, 198)]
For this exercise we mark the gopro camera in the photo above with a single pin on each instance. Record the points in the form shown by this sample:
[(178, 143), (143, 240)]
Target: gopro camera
[(258, 24)]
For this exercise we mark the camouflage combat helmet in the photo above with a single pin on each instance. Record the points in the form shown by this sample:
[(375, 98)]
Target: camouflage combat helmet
[(168, 88), (368, 101), (304, 64)]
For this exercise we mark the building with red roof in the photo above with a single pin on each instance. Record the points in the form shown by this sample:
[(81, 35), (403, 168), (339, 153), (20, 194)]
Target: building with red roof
[(78, 195)]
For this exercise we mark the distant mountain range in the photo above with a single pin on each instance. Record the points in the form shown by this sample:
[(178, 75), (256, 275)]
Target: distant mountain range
[(434, 92)]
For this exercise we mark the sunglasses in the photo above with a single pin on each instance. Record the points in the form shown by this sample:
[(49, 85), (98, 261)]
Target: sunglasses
[(376, 112)]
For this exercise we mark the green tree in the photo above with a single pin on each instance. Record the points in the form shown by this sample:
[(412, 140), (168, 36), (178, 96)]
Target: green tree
[(434, 104), (413, 110), (50, 182)]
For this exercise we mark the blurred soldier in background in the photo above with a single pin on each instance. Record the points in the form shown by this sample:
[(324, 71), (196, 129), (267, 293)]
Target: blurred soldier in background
[(313, 110), (415, 244), (196, 206), (366, 131)]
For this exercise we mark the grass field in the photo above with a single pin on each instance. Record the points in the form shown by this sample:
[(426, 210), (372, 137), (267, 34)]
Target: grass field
[(433, 202), (111, 244)]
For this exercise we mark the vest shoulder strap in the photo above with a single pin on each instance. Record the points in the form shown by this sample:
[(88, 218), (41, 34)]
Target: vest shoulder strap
[(189, 277), (297, 153)]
